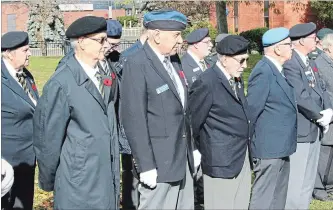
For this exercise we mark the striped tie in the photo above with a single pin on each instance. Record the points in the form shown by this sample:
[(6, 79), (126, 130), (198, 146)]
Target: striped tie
[(101, 85), (233, 86), (22, 80), (203, 64)]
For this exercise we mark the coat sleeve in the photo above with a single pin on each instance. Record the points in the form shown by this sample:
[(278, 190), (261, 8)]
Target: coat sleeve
[(200, 102), (50, 121), (134, 115), (257, 93), (306, 105)]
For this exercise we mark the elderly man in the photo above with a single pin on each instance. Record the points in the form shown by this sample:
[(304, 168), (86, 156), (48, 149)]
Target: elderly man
[(221, 127), (314, 114), (75, 129), (324, 181), (273, 109), (155, 117), (193, 61), (319, 46), (19, 97)]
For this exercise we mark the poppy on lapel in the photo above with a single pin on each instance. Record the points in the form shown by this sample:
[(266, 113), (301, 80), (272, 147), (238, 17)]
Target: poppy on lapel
[(113, 75), (33, 86), (107, 82)]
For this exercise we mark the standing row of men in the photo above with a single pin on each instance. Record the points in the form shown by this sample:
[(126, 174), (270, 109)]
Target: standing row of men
[(184, 119)]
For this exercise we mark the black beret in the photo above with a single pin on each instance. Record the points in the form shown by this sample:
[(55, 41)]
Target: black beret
[(197, 35), (232, 45), (302, 30), (85, 26), (14, 39)]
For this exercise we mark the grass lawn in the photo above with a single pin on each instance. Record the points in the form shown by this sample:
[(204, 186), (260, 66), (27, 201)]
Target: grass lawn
[(43, 67)]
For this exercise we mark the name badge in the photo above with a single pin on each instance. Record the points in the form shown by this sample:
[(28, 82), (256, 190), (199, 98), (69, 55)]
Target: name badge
[(162, 89), (196, 69)]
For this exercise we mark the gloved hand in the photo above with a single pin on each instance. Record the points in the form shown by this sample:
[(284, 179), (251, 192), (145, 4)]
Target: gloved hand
[(326, 127), (7, 177), (327, 117), (197, 158), (149, 178)]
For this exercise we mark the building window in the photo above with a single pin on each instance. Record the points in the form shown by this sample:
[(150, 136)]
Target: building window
[(236, 16), (266, 13), (11, 22)]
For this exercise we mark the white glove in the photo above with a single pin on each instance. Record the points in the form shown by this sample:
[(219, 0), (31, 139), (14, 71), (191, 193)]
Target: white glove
[(326, 127), (8, 173), (327, 117), (149, 178), (197, 158)]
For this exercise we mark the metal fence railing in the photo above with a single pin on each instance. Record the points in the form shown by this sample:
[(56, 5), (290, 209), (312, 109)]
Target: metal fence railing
[(60, 48)]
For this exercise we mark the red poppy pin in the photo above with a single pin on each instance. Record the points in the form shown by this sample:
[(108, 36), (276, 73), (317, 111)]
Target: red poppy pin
[(237, 79), (33, 86), (181, 74), (113, 75), (107, 82), (315, 69)]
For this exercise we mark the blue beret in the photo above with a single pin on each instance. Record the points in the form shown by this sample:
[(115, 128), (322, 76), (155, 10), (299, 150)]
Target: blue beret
[(167, 20), (13, 40), (114, 29), (323, 32), (232, 45), (274, 35), (85, 26), (197, 35), (302, 30)]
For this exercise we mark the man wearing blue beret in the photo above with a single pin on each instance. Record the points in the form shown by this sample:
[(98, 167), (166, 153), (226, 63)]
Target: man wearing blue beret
[(273, 109), (155, 116), (75, 127), (193, 61), (313, 117), (19, 97)]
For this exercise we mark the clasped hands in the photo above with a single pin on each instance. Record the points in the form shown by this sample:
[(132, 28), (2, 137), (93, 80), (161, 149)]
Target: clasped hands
[(149, 178), (326, 119)]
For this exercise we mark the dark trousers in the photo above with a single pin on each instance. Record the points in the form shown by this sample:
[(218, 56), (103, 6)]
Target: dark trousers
[(21, 194), (324, 179), (130, 194), (198, 190)]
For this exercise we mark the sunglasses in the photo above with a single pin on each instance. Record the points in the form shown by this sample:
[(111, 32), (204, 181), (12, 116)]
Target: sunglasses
[(241, 61), (101, 41)]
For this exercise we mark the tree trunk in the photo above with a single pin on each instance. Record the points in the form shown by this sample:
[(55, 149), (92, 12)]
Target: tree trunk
[(221, 17)]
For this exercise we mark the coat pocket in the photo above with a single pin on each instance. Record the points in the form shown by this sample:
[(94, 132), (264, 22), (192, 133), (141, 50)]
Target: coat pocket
[(79, 161)]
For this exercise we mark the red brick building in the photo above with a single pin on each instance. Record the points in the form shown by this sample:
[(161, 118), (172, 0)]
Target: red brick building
[(15, 15), (243, 16)]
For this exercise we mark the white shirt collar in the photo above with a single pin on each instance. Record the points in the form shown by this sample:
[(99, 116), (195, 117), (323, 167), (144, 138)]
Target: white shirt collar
[(275, 62), (195, 58), (159, 55), (226, 74), (303, 57), (89, 71), (11, 69)]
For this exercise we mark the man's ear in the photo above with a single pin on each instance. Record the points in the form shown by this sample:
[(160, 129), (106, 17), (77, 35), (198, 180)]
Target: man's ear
[(157, 36), (9, 54), (277, 50), (80, 43)]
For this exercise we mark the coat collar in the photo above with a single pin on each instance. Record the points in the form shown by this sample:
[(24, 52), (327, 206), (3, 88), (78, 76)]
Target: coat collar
[(82, 78), (327, 58), (10, 82), (282, 82), (160, 70)]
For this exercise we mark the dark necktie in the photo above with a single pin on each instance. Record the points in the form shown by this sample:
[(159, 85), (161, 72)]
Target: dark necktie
[(233, 86), (101, 85), (22, 78)]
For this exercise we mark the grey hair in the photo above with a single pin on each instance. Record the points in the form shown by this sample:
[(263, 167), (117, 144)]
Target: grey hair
[(73, 42), (327, 41)]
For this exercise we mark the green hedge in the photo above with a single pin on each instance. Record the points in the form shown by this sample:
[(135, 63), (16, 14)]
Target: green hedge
[(122, 20), (202, 24), (254, 36)]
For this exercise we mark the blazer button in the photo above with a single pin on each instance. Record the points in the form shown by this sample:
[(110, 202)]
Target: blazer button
[(249, 121)]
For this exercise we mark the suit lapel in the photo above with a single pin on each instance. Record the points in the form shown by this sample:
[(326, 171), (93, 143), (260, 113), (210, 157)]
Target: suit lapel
[(107, 91), (176, 64), (225, 82), (193, 64), (282, 82), (160, 70), (11, 83), (82, 78)]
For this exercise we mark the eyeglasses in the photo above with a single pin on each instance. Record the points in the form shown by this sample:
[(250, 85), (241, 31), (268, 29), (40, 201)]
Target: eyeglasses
[(114, 45), (101, 41), (241, 61), (207, 42)]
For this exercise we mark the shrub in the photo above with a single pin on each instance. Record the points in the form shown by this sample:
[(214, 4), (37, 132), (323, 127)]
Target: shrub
[(202, 24), (254, 36), (133, 19)]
